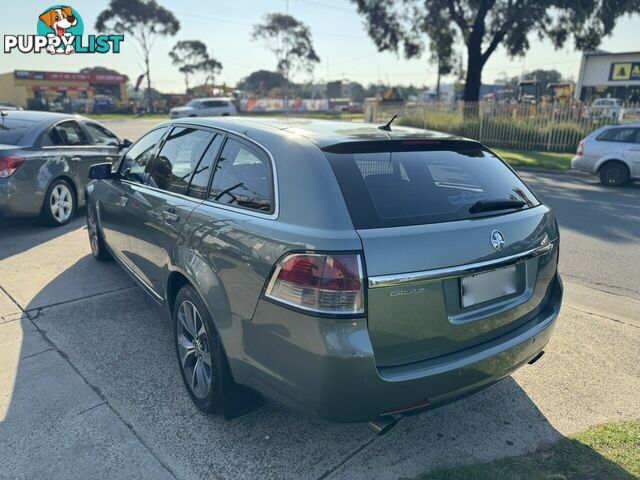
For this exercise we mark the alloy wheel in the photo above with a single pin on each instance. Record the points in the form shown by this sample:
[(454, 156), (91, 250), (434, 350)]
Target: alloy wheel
[(61, 203), (194, 349)]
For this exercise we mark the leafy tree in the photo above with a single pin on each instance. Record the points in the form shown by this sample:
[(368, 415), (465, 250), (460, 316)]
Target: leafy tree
[(187, 55), (210, 67), (290, 41), (142, 20), (483, 25), (261, 81)]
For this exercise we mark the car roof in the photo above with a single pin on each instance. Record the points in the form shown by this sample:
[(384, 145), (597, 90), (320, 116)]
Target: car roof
[(36, 116), (323, 133)]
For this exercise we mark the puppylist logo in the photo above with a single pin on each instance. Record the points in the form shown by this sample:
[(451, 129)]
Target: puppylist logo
[(60, 30)]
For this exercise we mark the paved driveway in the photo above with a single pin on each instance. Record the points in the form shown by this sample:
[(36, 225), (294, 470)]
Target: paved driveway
[(90, 388)]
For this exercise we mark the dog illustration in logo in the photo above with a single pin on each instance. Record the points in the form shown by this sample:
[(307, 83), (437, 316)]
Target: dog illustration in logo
[(59, 20)]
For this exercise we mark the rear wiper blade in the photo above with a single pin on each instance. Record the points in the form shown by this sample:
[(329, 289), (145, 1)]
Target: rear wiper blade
[(490, 205)]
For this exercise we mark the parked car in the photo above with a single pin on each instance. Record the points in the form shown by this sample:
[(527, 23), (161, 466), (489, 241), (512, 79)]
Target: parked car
[(341, 269), (205, 107), (605, 108), (45, 159), (611, 152)]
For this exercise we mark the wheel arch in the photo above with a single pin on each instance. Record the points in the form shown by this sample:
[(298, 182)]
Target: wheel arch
[(609, 159)]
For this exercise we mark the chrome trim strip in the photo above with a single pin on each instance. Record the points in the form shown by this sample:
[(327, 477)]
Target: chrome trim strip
[(396, 279)]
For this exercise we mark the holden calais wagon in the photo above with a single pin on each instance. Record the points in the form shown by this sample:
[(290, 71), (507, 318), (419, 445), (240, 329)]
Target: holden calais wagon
[(349, 271)]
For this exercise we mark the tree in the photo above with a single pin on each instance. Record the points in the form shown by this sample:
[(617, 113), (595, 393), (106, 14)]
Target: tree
[(210, 67), (144, 21), (261, 81), (483, 25), (187, 55), (290, 41)]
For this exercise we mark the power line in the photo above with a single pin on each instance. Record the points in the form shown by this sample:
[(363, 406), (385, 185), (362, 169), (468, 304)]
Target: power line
[(249, 24)]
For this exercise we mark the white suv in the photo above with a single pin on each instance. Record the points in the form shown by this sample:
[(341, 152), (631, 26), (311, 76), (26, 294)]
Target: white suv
[(205, 107), (611, 152)]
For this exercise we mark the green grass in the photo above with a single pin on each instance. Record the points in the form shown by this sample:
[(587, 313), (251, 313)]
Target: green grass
[(608, 452), (557, 161)]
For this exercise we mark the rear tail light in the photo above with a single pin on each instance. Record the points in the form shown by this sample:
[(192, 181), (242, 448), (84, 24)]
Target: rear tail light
[(320, 283), (580, 151), (9, 165)]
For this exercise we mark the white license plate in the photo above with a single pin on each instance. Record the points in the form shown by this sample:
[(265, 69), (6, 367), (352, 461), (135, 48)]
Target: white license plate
[(483, 287)]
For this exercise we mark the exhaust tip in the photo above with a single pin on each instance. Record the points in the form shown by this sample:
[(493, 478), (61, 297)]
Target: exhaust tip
[(382, 425), (536, 358)]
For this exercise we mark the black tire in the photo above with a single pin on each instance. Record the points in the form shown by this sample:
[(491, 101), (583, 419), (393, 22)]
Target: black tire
[(99, 248), (614, 173), (53, 212), (208, 398)]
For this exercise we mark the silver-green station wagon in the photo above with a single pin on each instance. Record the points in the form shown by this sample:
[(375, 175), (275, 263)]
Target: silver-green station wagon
[(346, 270)]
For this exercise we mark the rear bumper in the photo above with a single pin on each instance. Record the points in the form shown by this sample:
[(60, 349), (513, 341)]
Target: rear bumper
[(327, 368), (584, 163), (18, 199)]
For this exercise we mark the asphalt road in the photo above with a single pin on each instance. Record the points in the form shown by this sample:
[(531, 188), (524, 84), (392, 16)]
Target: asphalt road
[(90, 388)]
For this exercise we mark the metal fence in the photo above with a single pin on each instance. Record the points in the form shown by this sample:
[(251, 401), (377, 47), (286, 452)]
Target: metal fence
[(556, 127)]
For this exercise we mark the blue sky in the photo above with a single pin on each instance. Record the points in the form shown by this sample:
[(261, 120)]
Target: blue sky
[(225, 26)]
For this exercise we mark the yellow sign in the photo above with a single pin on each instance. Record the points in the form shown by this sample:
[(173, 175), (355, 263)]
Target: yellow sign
[(625, 71)]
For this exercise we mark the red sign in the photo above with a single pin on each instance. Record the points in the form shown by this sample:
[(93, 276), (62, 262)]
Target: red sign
[(70, 76)]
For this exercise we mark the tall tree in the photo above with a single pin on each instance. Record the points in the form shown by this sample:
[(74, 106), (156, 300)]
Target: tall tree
[(144, 21), (210, 68), (290, 41), (261, 81), (483, 25), (187, 55)]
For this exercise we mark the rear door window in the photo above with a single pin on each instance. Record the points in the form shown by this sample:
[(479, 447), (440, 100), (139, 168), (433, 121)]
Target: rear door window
[(178, 158), (68, 133), (624, 135), (202, 173), (242, 178), (387, 189)]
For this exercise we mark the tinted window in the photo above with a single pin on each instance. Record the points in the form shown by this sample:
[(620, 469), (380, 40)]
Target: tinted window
[(136, 162), (626, 135), (242, 178), (101, 136), (12, 131), (409, 188), (200, 179), (68, 133), (178, 158)]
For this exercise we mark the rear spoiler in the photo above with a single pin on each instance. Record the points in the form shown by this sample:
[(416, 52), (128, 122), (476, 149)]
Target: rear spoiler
[(407, 145)]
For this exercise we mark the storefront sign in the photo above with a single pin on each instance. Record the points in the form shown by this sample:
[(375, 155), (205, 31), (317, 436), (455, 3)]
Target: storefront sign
[(627, 71)]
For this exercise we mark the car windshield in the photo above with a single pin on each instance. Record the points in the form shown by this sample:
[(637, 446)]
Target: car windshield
[(388, 189), (13, 131)]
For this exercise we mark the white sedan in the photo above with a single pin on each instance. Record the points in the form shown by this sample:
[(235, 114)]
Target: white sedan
[(612, 153)]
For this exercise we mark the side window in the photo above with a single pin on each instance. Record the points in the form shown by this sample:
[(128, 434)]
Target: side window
[(100, 135), (637, 140), (626, 135), (242, 178), (202, 173), (68, 133), (136, 162), (178, 159)]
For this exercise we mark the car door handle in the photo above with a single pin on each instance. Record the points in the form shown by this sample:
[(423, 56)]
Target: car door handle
[(170, 217), (76, 159)]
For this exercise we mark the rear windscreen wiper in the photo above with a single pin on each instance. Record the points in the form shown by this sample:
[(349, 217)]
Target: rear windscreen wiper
[(490, 205)]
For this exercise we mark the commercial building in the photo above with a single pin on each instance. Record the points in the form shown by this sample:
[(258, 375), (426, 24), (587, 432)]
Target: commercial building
[(605, 74), (64, 91)]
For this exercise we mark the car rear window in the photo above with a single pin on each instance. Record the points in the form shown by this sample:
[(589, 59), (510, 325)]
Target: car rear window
[(388, 189), (12, 131)]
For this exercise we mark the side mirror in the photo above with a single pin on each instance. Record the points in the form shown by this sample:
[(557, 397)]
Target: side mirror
[(100, 171), (126, 143)]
